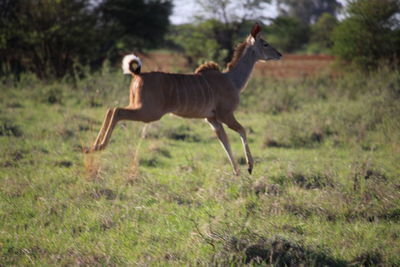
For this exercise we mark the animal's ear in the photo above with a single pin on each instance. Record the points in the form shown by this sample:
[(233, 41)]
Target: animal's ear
[(255, 30)]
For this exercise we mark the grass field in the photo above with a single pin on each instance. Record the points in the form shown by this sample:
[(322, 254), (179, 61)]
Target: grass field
[(325, 188)]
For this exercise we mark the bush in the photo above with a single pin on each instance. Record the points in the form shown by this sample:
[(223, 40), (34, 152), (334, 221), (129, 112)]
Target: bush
[(288, 34), (199, 42), (54, 38), (370, 34), (320, 38)]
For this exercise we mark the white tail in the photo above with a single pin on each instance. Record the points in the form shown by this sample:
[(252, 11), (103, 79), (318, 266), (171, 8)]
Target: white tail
[(127, 64)]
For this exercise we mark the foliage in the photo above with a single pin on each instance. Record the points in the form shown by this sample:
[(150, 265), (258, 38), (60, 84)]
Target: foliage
[(230, 11), (136, 24), (308, 11), (371, 33), (320, 35), (198, 42), (46, 37), (287, 33), (53, 38), (219, 26)]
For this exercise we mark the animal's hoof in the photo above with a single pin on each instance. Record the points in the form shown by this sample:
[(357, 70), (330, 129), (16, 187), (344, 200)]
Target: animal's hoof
[(250, 170)]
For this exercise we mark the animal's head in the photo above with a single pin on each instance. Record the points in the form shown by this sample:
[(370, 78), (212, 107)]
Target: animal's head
[(262, 48)]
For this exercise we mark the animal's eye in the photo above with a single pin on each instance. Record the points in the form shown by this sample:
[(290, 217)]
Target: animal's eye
[(266, 45)]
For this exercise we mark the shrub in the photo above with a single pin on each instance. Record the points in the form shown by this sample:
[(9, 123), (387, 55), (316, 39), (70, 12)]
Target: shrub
[(199, 42), (288, 34), (370, 34), (320, 37)]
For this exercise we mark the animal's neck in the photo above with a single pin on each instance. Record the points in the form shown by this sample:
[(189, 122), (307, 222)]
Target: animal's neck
[(240, 73)]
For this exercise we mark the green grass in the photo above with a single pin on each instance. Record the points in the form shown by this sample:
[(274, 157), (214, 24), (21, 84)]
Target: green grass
[(325, 188)]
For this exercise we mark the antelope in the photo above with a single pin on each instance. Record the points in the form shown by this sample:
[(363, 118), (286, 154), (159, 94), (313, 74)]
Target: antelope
[(208, 93)]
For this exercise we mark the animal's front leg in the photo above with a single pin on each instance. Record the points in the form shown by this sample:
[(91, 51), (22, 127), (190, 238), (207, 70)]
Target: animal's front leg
[(223, 138), (233, 124)]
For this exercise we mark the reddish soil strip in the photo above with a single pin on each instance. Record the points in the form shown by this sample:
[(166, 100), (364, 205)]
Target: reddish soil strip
[(295, 66), (291, 65)]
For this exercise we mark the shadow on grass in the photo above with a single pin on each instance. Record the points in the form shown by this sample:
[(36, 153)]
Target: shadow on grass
[(276, 250), (9, 128)]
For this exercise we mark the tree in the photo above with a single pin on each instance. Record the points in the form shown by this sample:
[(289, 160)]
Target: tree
[(49, 37), (287, 33), (46, 36), (134, 24), (231, 11), (321, 31), (198, 42), (308, 11), (218, 25), (370, 34)]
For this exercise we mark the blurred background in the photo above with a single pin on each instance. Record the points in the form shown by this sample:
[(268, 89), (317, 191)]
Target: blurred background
[(53, 39)]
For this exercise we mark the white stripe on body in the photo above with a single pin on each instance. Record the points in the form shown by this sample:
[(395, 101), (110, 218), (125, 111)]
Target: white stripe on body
[(190, 102)]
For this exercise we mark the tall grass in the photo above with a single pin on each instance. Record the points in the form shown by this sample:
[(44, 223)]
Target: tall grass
[(325, 189)]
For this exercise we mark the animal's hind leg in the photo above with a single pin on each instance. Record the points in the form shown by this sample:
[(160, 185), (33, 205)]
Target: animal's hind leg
[(119, 114), (103, 128), (223, 138)]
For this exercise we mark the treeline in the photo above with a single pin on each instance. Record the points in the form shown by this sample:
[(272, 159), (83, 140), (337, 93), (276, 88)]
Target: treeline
[(368, 34), (55, 38)]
